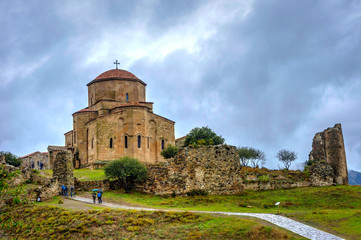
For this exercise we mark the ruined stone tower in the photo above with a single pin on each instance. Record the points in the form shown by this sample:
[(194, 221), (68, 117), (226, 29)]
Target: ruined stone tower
[(329, 146)]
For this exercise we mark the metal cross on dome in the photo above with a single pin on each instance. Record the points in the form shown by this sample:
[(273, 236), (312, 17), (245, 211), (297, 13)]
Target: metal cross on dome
[(116, 64)]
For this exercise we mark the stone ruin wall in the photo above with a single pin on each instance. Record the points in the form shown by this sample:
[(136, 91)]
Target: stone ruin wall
[(63, 168), (217, 170), (329, 146)]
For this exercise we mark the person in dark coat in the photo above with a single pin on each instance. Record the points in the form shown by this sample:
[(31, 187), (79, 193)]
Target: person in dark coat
[(94, 194), (66, 191), (72, 192), (100, 197)]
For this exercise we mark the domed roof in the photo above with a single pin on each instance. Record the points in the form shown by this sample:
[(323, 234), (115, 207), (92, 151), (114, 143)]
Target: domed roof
[(116, 74)]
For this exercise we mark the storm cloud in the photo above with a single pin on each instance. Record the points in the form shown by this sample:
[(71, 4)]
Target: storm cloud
[(266, 74)]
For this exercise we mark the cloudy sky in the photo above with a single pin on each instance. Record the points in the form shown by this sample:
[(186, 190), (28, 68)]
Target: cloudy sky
[(267, 74)]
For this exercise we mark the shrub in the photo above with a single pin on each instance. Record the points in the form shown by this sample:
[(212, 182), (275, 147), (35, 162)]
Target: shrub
[(169, 152), (11, 158), (202, 136), (127, 171), (197, 192)]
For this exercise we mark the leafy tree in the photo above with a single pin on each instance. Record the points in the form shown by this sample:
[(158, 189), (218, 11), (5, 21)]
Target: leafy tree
[(202, 136), (128, 171), (169, 152), (251, 155), (286, 157), (11, 158), (245, 155)]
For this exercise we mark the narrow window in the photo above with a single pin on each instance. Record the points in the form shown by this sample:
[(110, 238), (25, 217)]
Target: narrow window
[(91, 101), (148, 142), (92, 143), (111, 143), (74, 136), (125, 141), (127, 97), (162, 144), (139, 141)]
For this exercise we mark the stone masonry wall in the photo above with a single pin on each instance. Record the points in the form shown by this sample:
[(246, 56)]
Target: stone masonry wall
[(329, 146), (217, 170), (63, 169)]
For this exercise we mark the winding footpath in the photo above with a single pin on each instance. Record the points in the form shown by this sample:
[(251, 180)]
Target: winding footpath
[(289, 224)]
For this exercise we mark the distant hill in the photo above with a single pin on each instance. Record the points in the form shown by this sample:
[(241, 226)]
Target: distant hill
[(354, 177)]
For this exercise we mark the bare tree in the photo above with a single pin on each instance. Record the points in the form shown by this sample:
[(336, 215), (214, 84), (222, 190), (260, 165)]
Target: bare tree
[(257, 157), (286, 157)]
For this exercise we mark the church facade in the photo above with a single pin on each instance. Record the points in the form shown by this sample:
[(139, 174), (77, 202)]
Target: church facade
[(118, 122)]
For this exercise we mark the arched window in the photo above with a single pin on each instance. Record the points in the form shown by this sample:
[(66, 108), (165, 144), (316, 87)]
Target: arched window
[(148, 142), (162, 144), (91, 101), (125, 141), (127, 97), (111, 143), (139, 141)]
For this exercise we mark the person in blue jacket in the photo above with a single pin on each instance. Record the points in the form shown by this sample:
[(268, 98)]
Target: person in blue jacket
[(62, 190), (100, 193)]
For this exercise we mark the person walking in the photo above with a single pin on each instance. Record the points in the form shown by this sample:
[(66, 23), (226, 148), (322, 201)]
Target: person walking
[(66, 191), (94, 196), (100, 197), (62, 190), (72, 192)]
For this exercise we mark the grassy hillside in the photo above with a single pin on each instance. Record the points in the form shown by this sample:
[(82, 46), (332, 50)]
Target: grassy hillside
[(335, 209), (48, 222)]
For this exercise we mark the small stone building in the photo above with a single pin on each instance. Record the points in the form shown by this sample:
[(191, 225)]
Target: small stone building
[(118, 122), (37, 158)]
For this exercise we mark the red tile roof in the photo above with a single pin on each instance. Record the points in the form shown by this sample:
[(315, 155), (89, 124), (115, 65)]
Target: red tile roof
[(29, 155), (116, 73), (84, 110)]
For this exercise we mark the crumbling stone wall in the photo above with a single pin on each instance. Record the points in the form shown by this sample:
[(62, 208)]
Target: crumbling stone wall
[(63, 168), (217, 170), (329, 146)]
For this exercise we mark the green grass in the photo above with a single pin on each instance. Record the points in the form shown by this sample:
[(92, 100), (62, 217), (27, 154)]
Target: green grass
[(336, 209), (81, 174), (48, 222), (89, 175)]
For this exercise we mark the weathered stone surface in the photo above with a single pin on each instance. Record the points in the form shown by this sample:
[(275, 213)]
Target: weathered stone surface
[(2, 159), (217, 170), (322, 173), (45, 192), (329, 146), (63, 168)]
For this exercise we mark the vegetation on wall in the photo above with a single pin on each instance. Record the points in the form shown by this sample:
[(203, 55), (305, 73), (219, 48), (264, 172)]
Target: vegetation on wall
[(6, 193), (169, 152), (11, 159), (127, 171), (202, 136)]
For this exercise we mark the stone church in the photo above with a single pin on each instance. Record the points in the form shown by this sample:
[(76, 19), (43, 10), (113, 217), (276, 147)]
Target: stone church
[(118, 122)]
